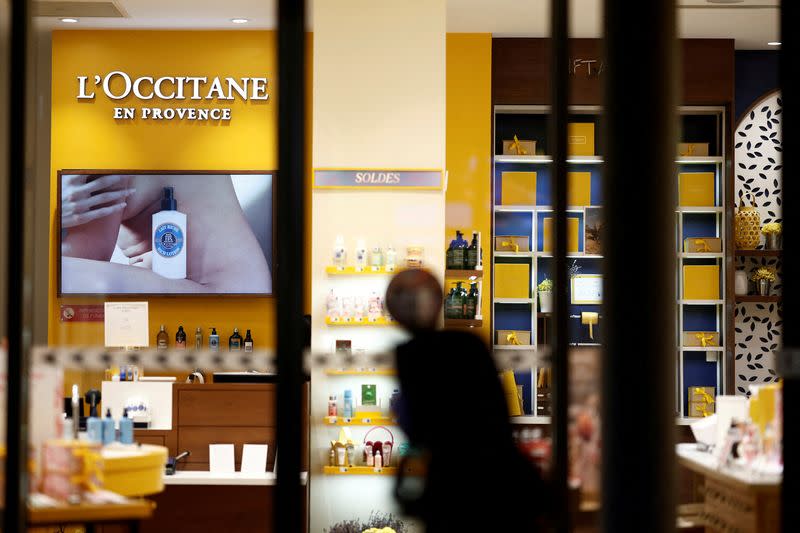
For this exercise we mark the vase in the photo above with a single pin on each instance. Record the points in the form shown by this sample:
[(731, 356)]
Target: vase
[(546, 301), (773, 241), (740, 283), (763, 287), (747, 228)]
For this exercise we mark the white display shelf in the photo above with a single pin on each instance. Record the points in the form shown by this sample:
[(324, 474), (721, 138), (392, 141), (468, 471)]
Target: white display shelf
[(700, 209), (513, 300), (530, 420), (700, 160), (515, 208), (515, 347), (570, 208), (701, 302), (570, 256), (699, 255), (702, 349), (513, 254), (543, 159)]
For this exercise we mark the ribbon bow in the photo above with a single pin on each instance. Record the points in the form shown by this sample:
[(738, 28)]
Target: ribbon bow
[(518, 147), (510, 243), (706, 339), (701, 245), (511, 338), (707, 401)]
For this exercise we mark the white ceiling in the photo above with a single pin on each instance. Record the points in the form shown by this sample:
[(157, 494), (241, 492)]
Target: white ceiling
[(752, 23)]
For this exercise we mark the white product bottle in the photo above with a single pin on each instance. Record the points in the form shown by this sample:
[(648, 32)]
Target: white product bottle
[(339, 253), (169, 238), (391, 259), (361, 255)]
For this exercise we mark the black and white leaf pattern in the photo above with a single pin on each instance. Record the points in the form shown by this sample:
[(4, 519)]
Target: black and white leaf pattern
[(758, 155)]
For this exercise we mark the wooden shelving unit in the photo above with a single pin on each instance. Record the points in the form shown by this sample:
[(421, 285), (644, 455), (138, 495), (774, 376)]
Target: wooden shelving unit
[(754, 298), (758, 253), (359, 471), (463, 274)]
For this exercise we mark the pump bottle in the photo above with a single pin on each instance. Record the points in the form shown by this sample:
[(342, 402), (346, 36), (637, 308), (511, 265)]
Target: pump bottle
[(169, 238)]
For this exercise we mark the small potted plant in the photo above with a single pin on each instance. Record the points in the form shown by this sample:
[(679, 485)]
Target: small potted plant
[(763, 276), (772, 231), (545, 289)]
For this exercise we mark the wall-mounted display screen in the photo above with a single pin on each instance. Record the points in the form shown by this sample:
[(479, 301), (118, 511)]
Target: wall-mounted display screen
[(137, 232)]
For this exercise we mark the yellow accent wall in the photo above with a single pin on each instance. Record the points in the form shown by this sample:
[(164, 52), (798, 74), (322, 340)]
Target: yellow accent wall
[(469, 145), (85, 136)]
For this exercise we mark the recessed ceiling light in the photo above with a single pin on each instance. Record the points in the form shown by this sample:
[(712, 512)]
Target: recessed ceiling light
[(774, 43), (240, 21), (69, 20)]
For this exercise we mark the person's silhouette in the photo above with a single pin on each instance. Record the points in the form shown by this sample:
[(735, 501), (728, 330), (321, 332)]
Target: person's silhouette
[(454, 411)]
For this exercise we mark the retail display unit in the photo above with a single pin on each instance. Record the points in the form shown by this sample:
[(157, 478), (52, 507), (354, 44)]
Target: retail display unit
[(522, 254)]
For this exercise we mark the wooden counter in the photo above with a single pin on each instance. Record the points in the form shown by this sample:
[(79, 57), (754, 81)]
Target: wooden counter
[(734, 501)]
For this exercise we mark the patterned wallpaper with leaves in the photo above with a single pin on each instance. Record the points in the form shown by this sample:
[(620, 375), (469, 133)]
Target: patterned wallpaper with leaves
[(758, 176)]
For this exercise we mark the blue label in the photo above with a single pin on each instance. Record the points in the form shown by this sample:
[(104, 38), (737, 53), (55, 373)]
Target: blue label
[(168, 240)]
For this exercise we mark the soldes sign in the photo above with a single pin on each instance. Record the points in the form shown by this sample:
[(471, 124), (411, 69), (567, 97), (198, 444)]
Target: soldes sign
[(118, 85)]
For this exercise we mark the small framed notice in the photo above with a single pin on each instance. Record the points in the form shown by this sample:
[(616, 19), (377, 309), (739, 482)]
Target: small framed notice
[(126, 324), (587, 289)]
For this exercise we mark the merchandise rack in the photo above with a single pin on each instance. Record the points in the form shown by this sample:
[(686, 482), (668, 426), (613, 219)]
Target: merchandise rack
[(707, 364)]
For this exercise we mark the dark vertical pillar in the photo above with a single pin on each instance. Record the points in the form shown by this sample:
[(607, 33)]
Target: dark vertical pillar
[(639, 179), (289, 258), (16, 474), (559, 61), (790, 89)]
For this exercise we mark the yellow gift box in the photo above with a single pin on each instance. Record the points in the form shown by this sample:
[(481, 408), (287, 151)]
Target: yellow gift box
[(512, 243), (518, 188), (579, 188), (510, 337), (696, 189), (692, 149), (580, 138), (512, 280), (704, 339), (702, 245), (701, 282), (572, 234), (701, 401)]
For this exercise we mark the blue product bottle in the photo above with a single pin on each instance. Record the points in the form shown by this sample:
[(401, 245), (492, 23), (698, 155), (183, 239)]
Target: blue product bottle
[(125, 428), (108, 428), (94, 429), (348, 404)]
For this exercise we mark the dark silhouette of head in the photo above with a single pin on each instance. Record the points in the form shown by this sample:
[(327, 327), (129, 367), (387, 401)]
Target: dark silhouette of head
[(414, 299)]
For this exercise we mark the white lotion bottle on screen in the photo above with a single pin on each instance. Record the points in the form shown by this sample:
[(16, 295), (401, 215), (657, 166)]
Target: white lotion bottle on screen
[(169, 238)]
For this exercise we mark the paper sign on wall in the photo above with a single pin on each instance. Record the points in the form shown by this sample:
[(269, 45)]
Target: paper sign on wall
[(587, 289), (127, 324)]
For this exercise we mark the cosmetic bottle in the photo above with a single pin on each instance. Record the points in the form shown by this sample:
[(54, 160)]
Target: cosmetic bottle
[(125, 428), (454, 304), (361, 255), (169, 238), (369, 458), (94, 429), (109, 431), (213, 340), (350, 449), (123, 373), (162, 340), (198, 339), (471, 302), (376, 259), (387, 454), (471, 257), (339, 253), (180, 339), (374, 307), (332, 407), (235, 341), (348, 404), (332, 458), (378, 460), (391, 259), (457, 252), (248, 342), (332, 306)]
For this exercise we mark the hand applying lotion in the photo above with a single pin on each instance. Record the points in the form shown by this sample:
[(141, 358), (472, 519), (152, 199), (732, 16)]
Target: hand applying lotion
[(169, 238)]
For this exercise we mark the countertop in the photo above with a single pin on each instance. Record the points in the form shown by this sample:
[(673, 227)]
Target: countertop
[(188, 477), (706, 464)]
